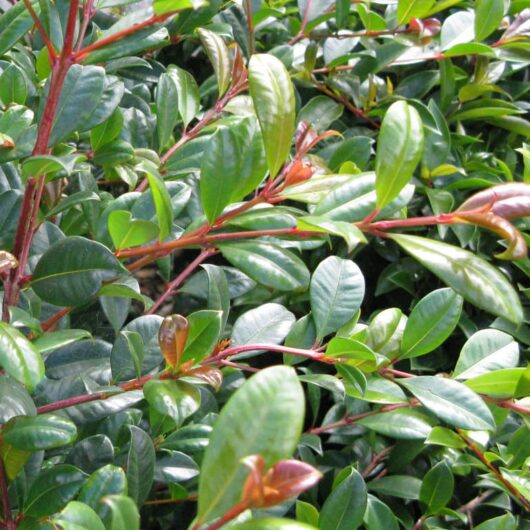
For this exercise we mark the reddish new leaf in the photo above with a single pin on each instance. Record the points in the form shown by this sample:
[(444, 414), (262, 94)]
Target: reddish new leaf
[(172, 338)]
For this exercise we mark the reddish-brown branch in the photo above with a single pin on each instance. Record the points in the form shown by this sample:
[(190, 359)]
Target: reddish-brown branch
[(376, 460), (482, 457), (190, 498), (353, 34), (349, 420), (250, 24), (203, 240), (81, 55), (343, 100), (88, 12), (308, 354), (180, 279), (232, 513), (38, 24), (301, 34)]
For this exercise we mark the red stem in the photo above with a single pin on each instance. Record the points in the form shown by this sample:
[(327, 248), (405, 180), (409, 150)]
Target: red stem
[(482, 457), (301, 34), (177, 282), (80, 55), (88, 13), (309, 354), (232, 513)]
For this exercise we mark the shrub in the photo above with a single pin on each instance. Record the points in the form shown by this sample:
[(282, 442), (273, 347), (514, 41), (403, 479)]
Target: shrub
[(263, 265)]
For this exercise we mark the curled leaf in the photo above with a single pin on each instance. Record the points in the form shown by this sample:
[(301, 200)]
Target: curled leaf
[(172, 338), (495, 197), (299, 172), (7, 261), (212, 376), (517, 248), (286, 479)]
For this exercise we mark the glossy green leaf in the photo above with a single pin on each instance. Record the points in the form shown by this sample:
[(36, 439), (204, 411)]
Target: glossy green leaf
[(140, 465), (52, 489), (35, 433), (219, 56), (408, 9), (166, 108), (81, 94), (187, 94), (399, 149), (378, 515), (400, 486), (485, 351), (472, 277), (451, 401), (162, 200), (488, 16), (13, 86), (107, 131), (107, 480), (347, 231), (437, 487), (173, 399), (204, 332), (268, 264), (431, 322), (273, 96), (128, 232), (72, 270), (336, 293), (265, 417), (399, 424), (345, 506), (19, 357), (502, 384), (78, 516), (123, 513)]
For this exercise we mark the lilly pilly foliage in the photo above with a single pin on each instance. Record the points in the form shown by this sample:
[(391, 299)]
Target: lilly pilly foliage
[(264, 264)]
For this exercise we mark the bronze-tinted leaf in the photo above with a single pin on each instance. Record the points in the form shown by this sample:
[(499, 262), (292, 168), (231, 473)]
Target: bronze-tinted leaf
[(517, 248), (212, 376), (491, 196), (172, 338)]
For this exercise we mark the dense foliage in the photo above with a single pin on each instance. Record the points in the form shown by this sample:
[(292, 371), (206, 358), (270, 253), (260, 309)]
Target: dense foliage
[(264, 264)]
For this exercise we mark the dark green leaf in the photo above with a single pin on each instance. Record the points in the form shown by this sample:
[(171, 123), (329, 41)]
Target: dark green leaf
[(437, 487)]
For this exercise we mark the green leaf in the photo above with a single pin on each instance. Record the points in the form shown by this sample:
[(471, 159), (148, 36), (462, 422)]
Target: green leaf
[(266, 324), (232, 167), (174, 399), (437, 487), (78, 516), (399, 424), (113, 154), (336, 293), (502, 384), (13, 86), (265, 416), (399, 149), (162, 200), (485, 351), (400, 486), (488, 17), (140, 465), (504, 522), (107, 480), (378, 515), (14, 400), (166, 108), (268, 264), (81, 94), (107, 131), (36, 433), (187, 94), (445, 437), (72, 270), (204, 332), (127, 232), (451, 401), (431, 322), (474, 278), (345, 506), (52, 489), (349, 232), (408, 9), (219, 56), (123, 513), (273, 97), (19, 357)]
